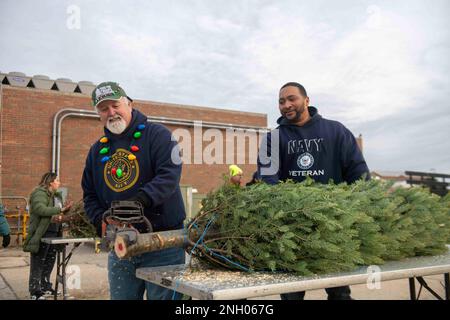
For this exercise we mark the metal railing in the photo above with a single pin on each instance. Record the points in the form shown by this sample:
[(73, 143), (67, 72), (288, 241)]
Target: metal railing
[(20, 227)]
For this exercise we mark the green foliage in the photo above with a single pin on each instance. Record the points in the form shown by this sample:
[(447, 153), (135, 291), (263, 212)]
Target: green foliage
[(79, 226), (445, 201), (312, 228)]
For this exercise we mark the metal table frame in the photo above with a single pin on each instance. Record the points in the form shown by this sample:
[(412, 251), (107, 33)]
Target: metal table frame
[(226, 285), (62, 259), (423, 284)]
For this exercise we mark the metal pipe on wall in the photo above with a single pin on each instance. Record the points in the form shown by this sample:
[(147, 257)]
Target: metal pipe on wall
[(64, 113), (55, 126), (58, 149)]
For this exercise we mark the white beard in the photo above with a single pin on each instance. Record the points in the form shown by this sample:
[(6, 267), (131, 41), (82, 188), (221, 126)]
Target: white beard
[(116, 127)]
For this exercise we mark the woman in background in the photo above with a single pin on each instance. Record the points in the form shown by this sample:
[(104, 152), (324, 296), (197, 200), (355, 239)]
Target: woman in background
[(45, 222)]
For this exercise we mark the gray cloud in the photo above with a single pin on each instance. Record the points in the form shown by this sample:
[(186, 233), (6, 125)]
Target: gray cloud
[(380, 67), (413, 140)]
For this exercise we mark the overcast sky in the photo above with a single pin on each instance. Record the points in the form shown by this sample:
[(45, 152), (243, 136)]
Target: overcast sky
[(379, 67)]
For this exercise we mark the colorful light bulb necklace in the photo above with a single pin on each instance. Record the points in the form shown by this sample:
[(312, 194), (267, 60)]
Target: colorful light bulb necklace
[(118, 172)]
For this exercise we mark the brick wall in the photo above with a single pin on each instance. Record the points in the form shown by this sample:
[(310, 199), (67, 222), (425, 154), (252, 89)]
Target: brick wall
[(26, 138)]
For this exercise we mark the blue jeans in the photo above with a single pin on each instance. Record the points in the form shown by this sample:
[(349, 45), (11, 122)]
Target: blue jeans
[(123, 284)]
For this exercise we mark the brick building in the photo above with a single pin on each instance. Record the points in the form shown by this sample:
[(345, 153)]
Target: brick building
[(31, 106)]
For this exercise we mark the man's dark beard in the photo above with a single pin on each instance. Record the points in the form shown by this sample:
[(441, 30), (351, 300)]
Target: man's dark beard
[(298, 115)]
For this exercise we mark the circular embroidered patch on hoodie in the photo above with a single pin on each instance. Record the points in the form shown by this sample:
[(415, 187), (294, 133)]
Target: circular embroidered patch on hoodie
[(305, 161), (121, 173)]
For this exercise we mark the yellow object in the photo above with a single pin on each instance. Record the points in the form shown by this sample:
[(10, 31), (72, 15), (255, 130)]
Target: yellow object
[(131, 157), (24, 225), (235, 170), (22, 219), (97, 246), (104, 140)]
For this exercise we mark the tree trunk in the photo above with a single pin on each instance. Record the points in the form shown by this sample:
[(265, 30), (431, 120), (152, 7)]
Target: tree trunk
[(148, 242)]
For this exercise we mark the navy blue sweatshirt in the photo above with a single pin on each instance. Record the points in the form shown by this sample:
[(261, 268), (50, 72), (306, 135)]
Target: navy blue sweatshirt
[(321, 149), (153, 172)]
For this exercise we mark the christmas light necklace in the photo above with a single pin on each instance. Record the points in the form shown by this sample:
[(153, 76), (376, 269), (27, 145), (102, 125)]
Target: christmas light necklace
[(106, 149)]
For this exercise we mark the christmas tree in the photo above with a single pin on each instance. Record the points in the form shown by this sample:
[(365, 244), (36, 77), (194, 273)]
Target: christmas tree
[(312, 228)]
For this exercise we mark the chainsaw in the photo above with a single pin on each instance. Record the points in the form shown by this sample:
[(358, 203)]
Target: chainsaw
[(122, 218)]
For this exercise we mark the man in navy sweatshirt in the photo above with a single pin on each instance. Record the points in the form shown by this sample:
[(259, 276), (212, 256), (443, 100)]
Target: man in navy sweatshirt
[(307, 145), (134, 160)]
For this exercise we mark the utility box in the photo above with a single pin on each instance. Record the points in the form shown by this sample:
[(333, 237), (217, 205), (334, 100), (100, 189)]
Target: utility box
[(42, 82), (197, 203), (192, 201), (186, 192), (65, 85), (86, 87), (18, 79)]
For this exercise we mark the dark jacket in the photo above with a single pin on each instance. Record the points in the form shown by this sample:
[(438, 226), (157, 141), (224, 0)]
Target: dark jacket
[(322, 149), (41, 210), (153, 172)]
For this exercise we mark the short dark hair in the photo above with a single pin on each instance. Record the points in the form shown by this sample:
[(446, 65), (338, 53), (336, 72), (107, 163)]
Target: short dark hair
[(47, 178), (298, 85)]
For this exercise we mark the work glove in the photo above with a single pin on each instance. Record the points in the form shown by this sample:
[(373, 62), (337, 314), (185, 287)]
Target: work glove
[(6, 240), (142, 198)]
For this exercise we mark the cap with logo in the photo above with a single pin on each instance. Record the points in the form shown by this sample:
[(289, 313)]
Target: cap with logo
[(108, 91)]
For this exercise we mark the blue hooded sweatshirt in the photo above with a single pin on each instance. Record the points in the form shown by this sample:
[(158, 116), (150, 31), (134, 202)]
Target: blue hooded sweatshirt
[(321, 149), (152, 172)]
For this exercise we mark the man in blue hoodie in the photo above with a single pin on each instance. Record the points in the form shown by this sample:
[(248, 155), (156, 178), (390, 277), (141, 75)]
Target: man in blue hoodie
[(307, 145), (134, 160)]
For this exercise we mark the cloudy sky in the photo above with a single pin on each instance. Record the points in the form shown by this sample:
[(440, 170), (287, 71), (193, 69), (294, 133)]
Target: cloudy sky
[(380, 67)]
